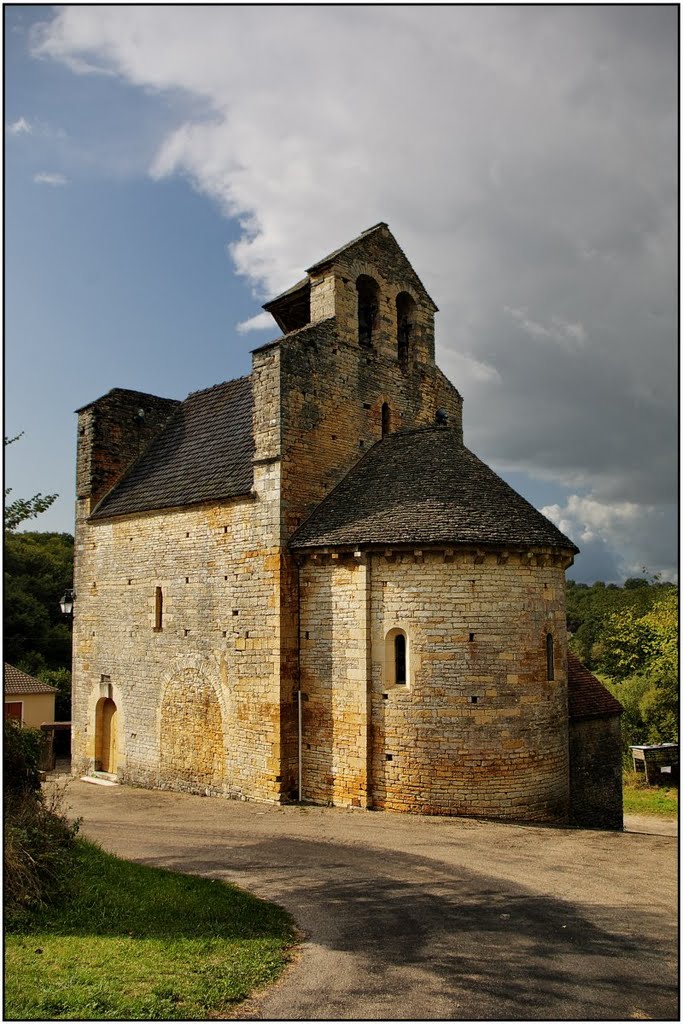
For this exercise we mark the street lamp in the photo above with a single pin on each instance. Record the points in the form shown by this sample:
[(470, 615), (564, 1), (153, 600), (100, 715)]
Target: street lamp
[(67, 602)]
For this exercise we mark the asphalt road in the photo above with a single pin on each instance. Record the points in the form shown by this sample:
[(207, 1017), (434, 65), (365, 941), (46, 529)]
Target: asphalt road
[(410, 917)]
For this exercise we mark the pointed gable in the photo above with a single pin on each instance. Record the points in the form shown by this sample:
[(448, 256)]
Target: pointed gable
[(378, 247)]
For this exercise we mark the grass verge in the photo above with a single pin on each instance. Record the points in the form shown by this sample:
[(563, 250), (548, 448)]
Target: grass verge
[(639, 798), (140, 943)]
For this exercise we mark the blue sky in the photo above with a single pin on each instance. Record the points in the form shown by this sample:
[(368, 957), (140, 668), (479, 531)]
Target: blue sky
[(167, 169)]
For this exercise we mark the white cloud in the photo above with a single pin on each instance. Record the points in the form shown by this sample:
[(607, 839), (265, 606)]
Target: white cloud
[(19, 127), (260, 322), (562, 331), (525, 158), (630, 531), (45, 178)]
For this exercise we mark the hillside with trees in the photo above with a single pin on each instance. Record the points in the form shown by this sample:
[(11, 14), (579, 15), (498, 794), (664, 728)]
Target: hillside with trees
[(628, 636)]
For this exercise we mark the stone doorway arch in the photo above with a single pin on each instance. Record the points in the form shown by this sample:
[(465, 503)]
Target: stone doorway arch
[(106, 736)]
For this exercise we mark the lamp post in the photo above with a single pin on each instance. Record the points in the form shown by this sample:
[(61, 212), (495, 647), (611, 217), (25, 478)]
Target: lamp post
[(67, 602)]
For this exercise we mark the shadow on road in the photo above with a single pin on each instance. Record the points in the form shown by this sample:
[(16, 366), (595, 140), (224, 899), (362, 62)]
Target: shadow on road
[(459, 930)]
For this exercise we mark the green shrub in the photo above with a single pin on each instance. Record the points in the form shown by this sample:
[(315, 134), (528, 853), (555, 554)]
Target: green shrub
[(21, 757), (39, 840), (38, 855)]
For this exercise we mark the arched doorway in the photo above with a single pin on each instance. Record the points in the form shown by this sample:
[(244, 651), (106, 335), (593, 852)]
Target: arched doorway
[(106, 736)]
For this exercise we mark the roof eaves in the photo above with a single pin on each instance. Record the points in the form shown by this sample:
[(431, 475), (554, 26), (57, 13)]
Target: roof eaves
[(289, 293)]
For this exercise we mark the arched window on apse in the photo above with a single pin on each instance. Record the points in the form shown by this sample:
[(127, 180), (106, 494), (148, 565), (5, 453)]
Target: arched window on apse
[(368, 306), (386, 419), (396, 658), (158, 609), (405, 325), (400, 658), (549, 656)]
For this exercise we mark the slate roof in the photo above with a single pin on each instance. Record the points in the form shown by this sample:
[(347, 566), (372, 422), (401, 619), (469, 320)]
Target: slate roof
[(423, 486), (17, 682), (588, 698), (203, 453)]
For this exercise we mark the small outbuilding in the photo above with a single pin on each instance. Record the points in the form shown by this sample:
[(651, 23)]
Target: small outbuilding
[(595, 750), (28, 701)]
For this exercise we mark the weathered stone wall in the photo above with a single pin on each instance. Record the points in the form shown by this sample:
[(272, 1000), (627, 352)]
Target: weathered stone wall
[(112, 433), (476, 627), (192, 743), (595, 755), (219, 568), (332, 397), (335, 678), (219, 636)]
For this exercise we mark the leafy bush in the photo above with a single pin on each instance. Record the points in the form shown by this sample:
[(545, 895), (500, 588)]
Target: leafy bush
[(38, 855), (650, 709), (20, 760), (38, 838)]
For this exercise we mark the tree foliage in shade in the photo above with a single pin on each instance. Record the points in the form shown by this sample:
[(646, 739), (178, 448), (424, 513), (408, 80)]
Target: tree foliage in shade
[(38, 568)]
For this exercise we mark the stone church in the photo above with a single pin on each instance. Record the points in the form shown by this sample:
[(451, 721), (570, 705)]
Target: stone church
[(302, 585)]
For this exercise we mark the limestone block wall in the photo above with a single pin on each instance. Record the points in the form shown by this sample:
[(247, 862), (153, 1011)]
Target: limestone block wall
[(595, 752), (213, 666), (478, 729), (332, 393), (335, 678)]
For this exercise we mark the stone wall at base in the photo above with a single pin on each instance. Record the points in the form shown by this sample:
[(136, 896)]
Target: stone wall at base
[(595, 755)]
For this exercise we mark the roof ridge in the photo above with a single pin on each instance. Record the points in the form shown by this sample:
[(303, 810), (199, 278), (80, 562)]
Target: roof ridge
[(347, 245), (215, 387)]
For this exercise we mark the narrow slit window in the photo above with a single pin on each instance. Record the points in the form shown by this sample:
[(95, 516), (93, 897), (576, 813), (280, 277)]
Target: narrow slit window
[(405, 324), (386, 419), (400, 658), (368, 306), (158, 609), (549, 656)]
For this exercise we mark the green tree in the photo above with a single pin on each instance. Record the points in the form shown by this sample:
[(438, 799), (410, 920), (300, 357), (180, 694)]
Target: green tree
[(589, 610), (38, 568), (645, 643), (641, 655)]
